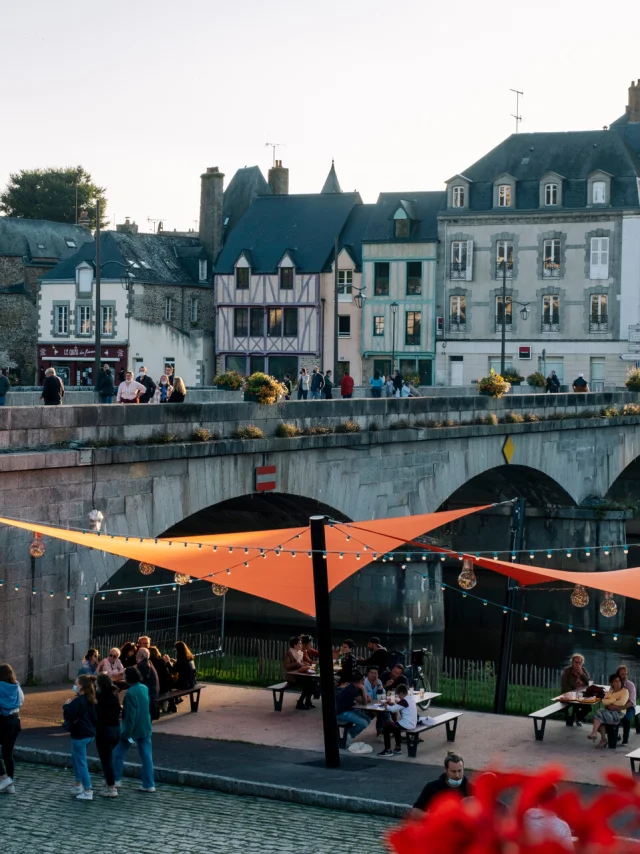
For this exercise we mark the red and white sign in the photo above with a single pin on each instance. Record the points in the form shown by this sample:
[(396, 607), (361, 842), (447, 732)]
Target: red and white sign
[(524, 352), (265, 478)]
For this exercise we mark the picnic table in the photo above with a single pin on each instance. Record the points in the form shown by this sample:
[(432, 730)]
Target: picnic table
[(566, 703)]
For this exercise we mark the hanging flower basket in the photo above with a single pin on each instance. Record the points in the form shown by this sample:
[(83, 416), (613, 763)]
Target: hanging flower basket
[(493, 385)]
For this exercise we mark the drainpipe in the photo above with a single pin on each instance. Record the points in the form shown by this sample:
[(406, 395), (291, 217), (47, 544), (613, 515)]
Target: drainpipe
[(322, 334)]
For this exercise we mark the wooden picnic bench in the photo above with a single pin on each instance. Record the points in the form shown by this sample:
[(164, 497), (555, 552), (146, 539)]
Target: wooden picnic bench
[(449, 719), (542, 715), (194, 695)]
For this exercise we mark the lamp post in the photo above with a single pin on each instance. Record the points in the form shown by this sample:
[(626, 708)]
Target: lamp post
[(394, 310), (524, 313)]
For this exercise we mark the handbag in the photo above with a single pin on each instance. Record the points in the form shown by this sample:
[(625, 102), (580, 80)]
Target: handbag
[(594, 691)]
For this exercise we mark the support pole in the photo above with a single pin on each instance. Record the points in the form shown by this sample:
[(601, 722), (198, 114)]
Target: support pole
[(506, 640), (178, 612), (323, 624), (98, 317), (336, 321), (503, 332)]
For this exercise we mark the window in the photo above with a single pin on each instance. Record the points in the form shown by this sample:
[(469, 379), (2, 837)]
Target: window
[(107, 326), (84, 278), (40, 245), (290, 323), (256, 322), (236, 363), (598, 192), (412, 324), (504, 196), (194, 312), (242, 278), (281, 365), (274, 327), (458, 197), (168, 309), (551, 194), (494, 364), (171, 264), (599, 261), (551, 313), (344, 326), (551, 266), (345, 284), (598, 319), (202, 270), (458, 314), (381, 279), (256, 363), (83, 320), (459, 255), (286, 278), (383, 366), (378, 325), (401, 227), (503, 315), (414, 278), (240, 322), (70, 243), (61, 319), (504, 251)]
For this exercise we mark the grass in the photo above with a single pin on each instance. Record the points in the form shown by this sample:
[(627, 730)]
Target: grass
[(248, 432)]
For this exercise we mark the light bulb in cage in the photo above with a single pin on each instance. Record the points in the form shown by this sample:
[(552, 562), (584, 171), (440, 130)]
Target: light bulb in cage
[(146, 568), (95, 520), (219, 589), (37, 546), (580, 596), (467, 578), (608, 607), (181, 579)]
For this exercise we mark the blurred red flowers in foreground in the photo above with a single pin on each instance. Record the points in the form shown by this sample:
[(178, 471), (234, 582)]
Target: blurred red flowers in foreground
[(482, 824)]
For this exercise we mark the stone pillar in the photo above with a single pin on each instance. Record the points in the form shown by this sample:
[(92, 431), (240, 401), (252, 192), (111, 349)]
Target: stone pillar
[(211, 205), (279, 179)]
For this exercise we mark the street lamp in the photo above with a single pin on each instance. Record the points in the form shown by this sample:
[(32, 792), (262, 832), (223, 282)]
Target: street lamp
[(524, 312), (394, 310)]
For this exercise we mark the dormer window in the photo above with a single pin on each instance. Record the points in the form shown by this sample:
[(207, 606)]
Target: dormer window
[(286, 278), (202, 270), (504, 196), (550, 194), (242, 278), (401, 223), (458, 197), (598, 192)]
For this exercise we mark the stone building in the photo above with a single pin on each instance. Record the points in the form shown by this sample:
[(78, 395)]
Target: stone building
[(28, 249)]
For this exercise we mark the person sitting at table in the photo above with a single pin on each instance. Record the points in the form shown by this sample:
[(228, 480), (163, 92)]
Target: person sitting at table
[(294, 665), (112, 665), (128, 654), (405, 706), (614, 706), (576, 678), (310, 655), (378, 657), (349, 662), (372, 688), (391, 679), (630, 714), (89, 663), (353, 694)]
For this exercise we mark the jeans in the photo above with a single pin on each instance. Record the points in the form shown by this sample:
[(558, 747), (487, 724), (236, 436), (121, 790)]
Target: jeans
[(79, 761), (376, 391), (357, 719), (106, 398), (3, 400), (302, 393), (317, 394), (9, 732), (347, 396), (106, 739), (390, 729), (144, 749)]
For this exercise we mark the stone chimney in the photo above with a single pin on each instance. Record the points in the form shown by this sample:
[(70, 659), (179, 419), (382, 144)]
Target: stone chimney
[(633, 108), (279, 179), (83, 219), (211, 202), (127, 226)]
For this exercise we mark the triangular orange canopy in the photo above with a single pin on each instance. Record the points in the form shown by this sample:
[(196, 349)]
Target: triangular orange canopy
[(274, 565)]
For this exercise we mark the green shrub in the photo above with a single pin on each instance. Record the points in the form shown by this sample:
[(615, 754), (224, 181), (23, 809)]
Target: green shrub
[(513, 418), (609, 411), (433, 424), (513, 376), (631, 409), (531, 417), (632, 381), (248, 432), (166, 438), (536, 380), (230, 380), (316, 431), (450, 423), (492, 419), (373, 427), (493, 385), (264, 388), (287, 431), (348, 427), (201, 434)]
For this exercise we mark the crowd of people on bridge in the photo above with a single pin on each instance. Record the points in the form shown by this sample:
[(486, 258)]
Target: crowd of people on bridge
[(141, 389), (321, 386)]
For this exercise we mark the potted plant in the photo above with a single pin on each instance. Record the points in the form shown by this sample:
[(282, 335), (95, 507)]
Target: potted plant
[(632, 381), (229, 380), (536, 380), (264, 389), (493, 385), (513, 376)]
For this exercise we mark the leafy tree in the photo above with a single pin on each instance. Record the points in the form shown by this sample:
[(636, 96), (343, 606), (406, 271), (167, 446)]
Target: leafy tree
[(51, 194)]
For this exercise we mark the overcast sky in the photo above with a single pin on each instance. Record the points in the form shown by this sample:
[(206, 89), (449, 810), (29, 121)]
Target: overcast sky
[(146, 94)]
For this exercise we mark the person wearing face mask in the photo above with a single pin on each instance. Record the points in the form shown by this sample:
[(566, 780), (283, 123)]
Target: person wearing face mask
[(80, 721), (453, 780), (144, 379), (163, 390)]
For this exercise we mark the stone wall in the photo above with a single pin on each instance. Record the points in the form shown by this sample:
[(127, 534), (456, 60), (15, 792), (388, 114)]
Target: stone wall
[(149, 305), (18, 317)]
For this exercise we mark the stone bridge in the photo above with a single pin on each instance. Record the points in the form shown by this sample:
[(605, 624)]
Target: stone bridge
[(144, 469)]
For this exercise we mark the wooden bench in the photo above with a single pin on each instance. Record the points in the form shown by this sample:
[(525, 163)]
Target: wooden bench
[(540, 717), (449, 719), (278, 693), (634, 757), (194, 695)]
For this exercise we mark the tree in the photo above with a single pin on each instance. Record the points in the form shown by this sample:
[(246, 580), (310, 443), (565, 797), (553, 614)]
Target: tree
[(51, 194)]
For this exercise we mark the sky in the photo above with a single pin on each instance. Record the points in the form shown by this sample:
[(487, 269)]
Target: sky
[(146, 94)]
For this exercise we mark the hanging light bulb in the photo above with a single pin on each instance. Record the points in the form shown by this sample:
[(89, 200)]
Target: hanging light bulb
[(219, 589), (181, 579), (606, 550), (579, 596), (570, 629), (608, 607), (37, 546), (548, 554), (95, 520), (615, 637), (588, 553), (467, 578), (146, 568), (625, 550), (442, 558)]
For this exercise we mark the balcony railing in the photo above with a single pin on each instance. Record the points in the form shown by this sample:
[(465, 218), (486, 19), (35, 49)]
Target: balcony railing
[(551, 271), (457, 325), (599, 323), (458, 271), (550, 327), (499, 273), (499, 326)]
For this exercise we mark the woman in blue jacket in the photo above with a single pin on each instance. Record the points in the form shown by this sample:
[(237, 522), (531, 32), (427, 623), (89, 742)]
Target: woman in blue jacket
[(11, 699), (80, 718)]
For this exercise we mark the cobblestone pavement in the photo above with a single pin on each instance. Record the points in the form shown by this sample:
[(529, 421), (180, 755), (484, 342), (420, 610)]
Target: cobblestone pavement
[(44, 818)]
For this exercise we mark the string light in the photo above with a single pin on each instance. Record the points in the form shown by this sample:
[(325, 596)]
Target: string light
[(158, 590), (570, 629), (615, 637), (358, 556), (495, 555), (606, 551), (526, 617), (569, 553), (588, 553), (513, 556), (52, 594), (68, 595), (467, 578), (547, 623), (485, 602), (608, 606), (625, 550), (531, 555), (33, 592), (579, 596), (548, 555)]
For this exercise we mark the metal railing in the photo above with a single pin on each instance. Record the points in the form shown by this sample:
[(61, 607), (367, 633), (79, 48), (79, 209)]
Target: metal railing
[(599, 323)]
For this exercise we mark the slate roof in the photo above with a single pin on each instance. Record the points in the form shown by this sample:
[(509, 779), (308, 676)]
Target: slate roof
[(629, 131), (305, 224), (40, 239), (527, 157), (425, 207), (245, 186), (353, 232), (161, 259), (332, 185)]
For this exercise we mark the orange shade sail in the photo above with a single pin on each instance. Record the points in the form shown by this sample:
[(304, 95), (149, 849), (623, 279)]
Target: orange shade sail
[(274, 565)]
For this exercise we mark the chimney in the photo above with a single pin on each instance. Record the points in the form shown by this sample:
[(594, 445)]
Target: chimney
[(279, 179), (127, 226), (83, 220), (211, 202), (633, 108)]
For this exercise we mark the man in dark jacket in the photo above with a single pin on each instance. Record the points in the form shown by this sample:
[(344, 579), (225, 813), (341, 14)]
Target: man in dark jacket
[(317, 384), (453, 780), (4, 388), (328, 386), (104, 386), (349, 662), (398, 382), (552, 383), (52, 388), (148, 383), (379, 656)]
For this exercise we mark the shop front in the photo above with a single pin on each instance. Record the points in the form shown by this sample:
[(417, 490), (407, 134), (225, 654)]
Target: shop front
[(74, 364)]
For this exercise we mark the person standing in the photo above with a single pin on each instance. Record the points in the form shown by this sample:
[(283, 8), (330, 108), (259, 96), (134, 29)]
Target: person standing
[(148, 383), (105, 386), (179, 391), (5, 385), (398, 382), (346, 386), (303, 384), (163, 390), (376, 382), (135, 729), (580, 385), (328, 386), (107, 730), (552, 383), (388, 386), (453, 780), (630, 714), (317, 384), (52, 388), (11, 700), (286, 382), (378, 658), (80, 720), (149, 678), (130, 391)]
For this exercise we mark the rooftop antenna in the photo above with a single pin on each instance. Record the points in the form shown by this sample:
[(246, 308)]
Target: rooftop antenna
[(517, 115), (154, 223), (273, 146)]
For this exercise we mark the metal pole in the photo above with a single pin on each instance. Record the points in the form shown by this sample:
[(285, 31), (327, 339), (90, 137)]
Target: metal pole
[(335, 309), (323, 624), (393, 342), (96, 361), (224, 599), (178, 611), (506, 640), (504, 311), (146, 610)]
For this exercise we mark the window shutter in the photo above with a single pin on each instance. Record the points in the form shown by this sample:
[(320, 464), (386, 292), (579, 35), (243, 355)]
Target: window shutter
[(604, 257), (599, 267), (469, 271)]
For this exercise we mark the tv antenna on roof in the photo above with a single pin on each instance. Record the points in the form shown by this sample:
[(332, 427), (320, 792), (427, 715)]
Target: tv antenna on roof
[(517, 115), (273, 146), (155, 223)]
